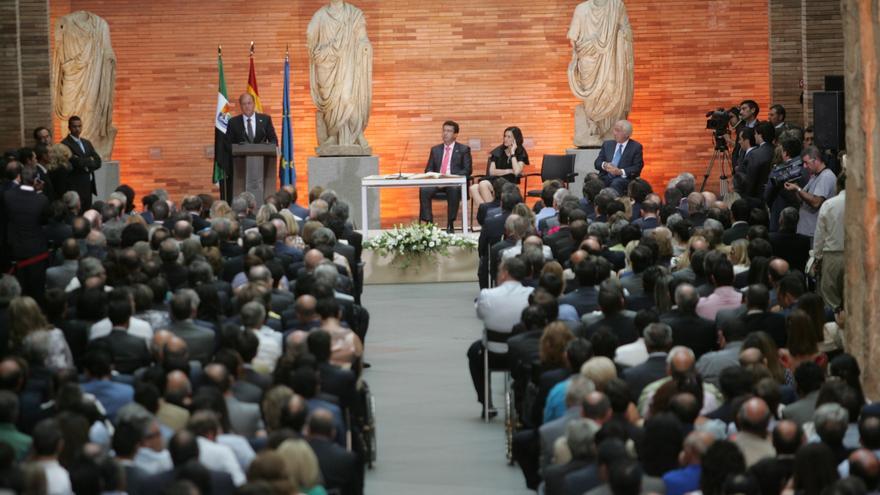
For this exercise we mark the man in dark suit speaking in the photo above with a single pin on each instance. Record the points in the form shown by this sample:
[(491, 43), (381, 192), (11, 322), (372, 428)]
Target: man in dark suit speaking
[(620, 159), (83, 163), (450, 157), (249, 127)]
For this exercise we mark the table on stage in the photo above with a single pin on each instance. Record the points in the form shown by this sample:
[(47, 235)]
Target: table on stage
[(413, 180)]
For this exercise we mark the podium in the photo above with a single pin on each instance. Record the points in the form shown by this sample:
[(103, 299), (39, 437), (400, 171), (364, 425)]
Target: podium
[(253, 169)]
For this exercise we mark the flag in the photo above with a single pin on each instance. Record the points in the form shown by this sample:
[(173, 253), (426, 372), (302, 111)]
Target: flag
[(286, 170), (252, 84), (221, 120)]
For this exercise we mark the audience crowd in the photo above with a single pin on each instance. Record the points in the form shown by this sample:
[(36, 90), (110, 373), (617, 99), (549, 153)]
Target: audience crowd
[(149, 347), (675, 341)]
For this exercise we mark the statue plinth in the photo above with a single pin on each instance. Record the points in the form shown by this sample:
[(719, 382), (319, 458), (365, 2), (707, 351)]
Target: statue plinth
[(343, 150), (586, 133)]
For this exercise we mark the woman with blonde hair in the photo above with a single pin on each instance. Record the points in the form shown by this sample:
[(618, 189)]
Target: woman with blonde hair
[(221, 209), (302, 466), (739, 256), (293, 238), (29, 329), (265, 213), (524, 211)]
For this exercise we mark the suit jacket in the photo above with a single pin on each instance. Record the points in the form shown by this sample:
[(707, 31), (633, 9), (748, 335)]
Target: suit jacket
[(459, 164), (23, 215), (631, 161), (245, 418), (129, 352), (584, 299), (620, 324), (791, 247), (495, 258), (264, 131), (690, 330), (552, 430), (640, 376), (554, 476), (561, 243), (339, 468), (616, 258), (771, 323), (756, 168), (736, 231), (802, 411), (338, 382), (582, 480), (221, 483), (83, 165), (199, 341)]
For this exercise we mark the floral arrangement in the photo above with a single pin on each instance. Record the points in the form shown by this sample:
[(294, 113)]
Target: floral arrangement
[(409, 242)]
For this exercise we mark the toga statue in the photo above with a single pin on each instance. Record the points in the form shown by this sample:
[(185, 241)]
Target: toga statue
[(601, 68), (341, 78), (84, 76)]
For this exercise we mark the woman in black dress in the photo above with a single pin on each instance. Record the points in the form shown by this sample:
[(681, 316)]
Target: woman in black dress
[(505, 161)]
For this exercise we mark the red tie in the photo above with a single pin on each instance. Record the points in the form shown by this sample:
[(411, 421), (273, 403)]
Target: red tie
[(447, 156)]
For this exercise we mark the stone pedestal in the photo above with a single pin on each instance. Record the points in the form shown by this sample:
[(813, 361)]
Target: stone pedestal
[(107, 178), (584, 163), (343, 174)]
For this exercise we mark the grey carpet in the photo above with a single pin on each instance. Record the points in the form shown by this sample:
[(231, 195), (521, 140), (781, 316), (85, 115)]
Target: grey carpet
[(431, 439)]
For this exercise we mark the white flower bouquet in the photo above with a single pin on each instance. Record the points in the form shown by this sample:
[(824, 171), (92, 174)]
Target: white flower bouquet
[(408, 242)]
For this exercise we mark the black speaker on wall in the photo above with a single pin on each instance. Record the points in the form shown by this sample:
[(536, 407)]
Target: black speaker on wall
[(828, 120)]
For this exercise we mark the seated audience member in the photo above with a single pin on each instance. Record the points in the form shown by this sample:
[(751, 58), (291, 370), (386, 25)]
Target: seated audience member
[(688, 328), (724, 296), (614, 317)]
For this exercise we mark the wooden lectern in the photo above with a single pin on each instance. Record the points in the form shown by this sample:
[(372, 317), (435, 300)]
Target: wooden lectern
[(253, 169)]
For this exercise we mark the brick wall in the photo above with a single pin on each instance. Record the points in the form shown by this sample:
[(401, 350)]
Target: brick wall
[(486, 64), (823, 46), (24, 63), (786, 57)]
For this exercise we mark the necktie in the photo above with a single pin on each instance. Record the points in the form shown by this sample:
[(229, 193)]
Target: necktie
[(81, 145), (617, 155), (250, 130), (447, 157)]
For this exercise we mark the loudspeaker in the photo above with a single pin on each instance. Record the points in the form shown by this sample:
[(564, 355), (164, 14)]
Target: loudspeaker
[(828, 120)]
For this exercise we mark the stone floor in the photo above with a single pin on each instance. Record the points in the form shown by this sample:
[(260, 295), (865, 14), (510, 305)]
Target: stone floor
[(430, 436)]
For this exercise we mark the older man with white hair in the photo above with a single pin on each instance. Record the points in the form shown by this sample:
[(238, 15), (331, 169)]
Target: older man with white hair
[(620, 159)]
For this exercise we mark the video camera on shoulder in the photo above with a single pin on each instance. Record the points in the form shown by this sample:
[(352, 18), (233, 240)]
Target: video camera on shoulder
[(790, 173)]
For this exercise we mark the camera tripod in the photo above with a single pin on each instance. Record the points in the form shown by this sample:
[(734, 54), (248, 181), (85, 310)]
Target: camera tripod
[(722, 156)]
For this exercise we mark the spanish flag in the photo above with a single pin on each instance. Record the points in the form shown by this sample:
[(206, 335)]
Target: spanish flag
[(252, 84)]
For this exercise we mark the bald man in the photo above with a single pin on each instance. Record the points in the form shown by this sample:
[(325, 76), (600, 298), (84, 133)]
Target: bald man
[(172, 408), (620, 159), (752, 420), (248, 127)]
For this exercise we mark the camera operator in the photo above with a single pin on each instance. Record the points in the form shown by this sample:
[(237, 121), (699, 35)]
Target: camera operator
[(790, 170), (748, 115), (821, 186), (756, 161)]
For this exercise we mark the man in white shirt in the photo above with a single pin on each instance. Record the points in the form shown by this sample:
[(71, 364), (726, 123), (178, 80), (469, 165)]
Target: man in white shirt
[(828, 245), (253, 318), (499, 308), (47, 443), (213, 455)]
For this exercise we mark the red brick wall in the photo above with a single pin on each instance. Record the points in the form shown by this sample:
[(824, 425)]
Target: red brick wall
[(486, 64)]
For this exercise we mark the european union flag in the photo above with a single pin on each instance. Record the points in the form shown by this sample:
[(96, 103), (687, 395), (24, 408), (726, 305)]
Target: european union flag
[(286, 170)]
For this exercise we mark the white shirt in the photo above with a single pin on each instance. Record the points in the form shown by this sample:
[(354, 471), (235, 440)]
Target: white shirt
[(829, 236), (243, 451), (136, 327), (268, 351), (220, 458), (153, 462), (632, 354), (516, 249), (501, 307), (57, 478)]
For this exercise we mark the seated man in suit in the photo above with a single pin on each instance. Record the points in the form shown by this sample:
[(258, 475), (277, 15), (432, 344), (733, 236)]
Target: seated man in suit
[(450, 157), (620, 159)]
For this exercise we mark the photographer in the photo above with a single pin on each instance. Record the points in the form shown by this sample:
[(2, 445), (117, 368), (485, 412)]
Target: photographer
[(790, 170), (748, 115), (821, 186)]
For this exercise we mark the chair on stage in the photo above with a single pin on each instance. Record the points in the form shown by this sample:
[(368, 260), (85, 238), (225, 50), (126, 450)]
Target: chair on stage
[(554, 167)]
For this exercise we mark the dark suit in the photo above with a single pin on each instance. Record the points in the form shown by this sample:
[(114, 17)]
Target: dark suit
[(495, 258), (737, 231), (199, 340), (561, 244), (23, 214), (491, 233), (771, 323), (338, 382), (83, 164), (620, 324), (584, 299), (631, 162), (688, 329), (638, 377), (755, 167), (236, 133), (339, 468), (554, 475), (459, 164), (793, 248), (221, 483), (129, 352)]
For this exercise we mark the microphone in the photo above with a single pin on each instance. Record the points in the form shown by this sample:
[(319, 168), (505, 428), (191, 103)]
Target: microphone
[(400, 166)]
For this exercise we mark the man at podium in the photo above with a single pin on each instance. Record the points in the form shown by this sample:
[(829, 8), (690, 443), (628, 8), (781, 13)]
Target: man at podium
[(448, 158), (254, 128)]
